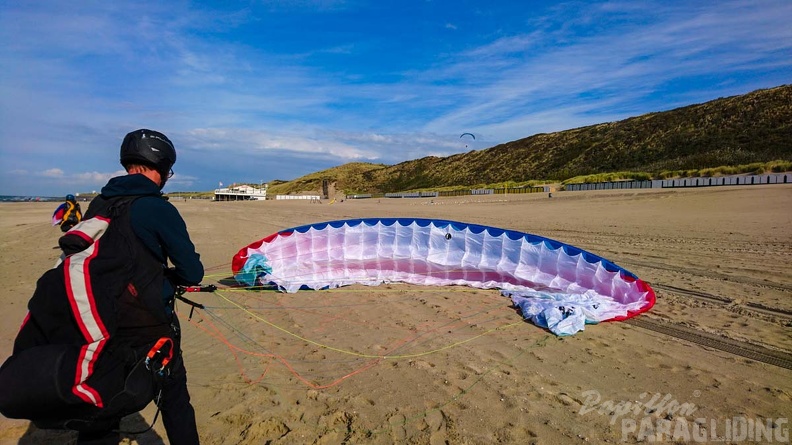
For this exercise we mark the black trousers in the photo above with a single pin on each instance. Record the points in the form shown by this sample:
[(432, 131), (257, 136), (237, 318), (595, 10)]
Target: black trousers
[(178, 414)]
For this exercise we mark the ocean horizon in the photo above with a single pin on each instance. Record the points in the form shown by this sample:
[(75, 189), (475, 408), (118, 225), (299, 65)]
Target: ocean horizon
[(22, 198)]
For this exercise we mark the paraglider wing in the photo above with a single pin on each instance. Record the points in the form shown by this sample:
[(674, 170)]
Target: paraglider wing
[(555, 285), (467, 134), (57, 216)]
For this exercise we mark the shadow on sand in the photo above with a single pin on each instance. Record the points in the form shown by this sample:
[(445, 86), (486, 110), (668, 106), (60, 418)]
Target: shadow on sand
[(134, 422)]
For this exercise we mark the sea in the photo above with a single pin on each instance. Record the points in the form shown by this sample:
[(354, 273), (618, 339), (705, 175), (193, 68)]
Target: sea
[(16, 198)]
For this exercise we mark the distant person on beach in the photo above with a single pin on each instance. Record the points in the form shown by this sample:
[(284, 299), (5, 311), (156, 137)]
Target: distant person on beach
[(68, 214)]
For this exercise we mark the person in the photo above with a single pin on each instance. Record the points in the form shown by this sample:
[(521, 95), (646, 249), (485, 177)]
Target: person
[(68, 214), (148, 157)]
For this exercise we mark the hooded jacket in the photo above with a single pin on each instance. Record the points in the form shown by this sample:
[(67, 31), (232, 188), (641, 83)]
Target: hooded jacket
[(161, 229)]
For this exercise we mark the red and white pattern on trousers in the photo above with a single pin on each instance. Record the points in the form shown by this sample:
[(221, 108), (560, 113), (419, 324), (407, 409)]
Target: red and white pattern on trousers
[(83, 304)]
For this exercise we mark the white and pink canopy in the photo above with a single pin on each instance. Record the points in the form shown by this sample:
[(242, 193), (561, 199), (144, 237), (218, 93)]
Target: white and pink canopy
[(555, 285)]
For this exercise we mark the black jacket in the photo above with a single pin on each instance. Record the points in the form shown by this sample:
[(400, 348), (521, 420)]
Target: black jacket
[(160, 227)]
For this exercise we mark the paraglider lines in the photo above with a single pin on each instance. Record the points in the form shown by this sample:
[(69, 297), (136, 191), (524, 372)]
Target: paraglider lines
[(215, 332), (362, 355), (211, 323)]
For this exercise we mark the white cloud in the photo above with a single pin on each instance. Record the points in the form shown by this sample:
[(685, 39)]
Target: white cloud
[(53, 173), (525, 78), (247, 142), (95, 178)]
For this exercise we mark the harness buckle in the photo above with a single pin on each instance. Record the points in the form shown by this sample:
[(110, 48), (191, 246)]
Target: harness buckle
[(160, 356)]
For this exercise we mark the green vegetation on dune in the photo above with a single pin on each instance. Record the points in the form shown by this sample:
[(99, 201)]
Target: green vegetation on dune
[(352, 175), (751, 133)]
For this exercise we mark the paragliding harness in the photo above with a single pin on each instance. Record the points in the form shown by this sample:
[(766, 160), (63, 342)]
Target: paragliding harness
[(71, 216), (97, 342), (160, 358)]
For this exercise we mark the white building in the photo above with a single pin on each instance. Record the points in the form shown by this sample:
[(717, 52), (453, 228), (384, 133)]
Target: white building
[(242, 192)]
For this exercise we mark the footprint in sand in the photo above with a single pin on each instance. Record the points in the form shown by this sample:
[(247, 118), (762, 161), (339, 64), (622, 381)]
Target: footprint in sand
[(437, 427), (398, 433)]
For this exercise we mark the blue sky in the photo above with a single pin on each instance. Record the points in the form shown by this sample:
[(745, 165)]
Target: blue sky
[(262, 90)]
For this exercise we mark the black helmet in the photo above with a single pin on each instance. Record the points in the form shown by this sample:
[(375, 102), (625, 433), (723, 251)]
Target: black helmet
[(71, 198), (149, 147)]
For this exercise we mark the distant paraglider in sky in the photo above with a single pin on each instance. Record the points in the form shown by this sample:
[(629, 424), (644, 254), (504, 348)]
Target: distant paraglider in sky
[(467, 134)]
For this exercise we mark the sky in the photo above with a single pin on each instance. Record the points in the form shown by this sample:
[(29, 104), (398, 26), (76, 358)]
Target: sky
[(262, 90)]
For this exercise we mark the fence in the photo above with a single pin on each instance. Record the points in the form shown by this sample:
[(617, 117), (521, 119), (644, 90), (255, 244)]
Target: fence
[(464, 192), (610, 185), (294, 197), (412, 195), (773, 178), (779, 178)]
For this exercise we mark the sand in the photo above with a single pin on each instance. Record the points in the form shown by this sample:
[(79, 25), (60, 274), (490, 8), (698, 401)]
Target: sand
[(427, 365)]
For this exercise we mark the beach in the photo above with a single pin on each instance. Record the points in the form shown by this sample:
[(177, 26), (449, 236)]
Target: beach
[(412, 364)]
